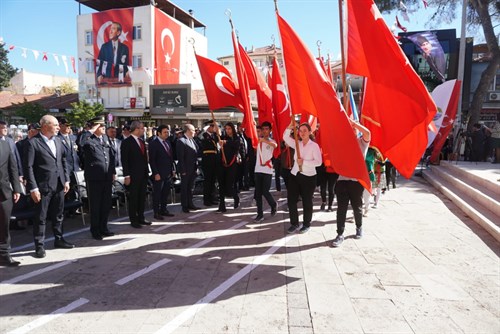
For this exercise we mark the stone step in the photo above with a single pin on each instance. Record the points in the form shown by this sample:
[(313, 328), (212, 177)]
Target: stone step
[(471, 187), (479, 177), (476, 211)]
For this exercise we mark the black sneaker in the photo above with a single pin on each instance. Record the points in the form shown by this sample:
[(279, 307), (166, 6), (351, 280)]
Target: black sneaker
[(330, 209), (338, 241), (259, 219), (273, 211), (304, 229), (292, 229), (323, 206), (359, 233)]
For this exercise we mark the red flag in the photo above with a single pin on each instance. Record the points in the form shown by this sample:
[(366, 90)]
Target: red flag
[(167, 48), (221, 90), (397, 108), (45, 58), (256, 81), (447, 124), (281, 104), (73, 64), (248, 121), (329, 70), (399, 25), (311, 92)]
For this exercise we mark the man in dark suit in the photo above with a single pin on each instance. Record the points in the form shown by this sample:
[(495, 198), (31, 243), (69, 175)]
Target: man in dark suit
[(135, 171), (64, 134), (210, 156), (115, 143), (13, 148), (99, 171), (9, 177), (113, 57), (47, 178), (81, 138), (187, 155), (161, 160)]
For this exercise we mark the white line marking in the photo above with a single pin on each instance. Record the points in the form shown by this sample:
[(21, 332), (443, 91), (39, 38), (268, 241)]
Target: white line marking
[(205, 212), (49, 317), (192, 310), (110, 247), (168, 225), (85, 229), (191, 249), (36, 273), (237, 226), (141, 272)]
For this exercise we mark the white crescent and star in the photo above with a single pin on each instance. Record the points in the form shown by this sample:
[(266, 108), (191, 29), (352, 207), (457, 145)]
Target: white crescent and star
[(218, 81), (100, 33), (167, 33), (281, 88)]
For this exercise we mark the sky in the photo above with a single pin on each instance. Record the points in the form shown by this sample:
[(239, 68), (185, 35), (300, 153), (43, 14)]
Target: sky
[(50, 26)]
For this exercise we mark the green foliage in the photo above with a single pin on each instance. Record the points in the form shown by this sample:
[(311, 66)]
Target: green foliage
[(83, 111), (30, 111), (6, 69)]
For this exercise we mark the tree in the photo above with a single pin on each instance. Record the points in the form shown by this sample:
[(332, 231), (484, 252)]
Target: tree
[(6, 69), (480, 13), (82, 112), (30, 111)]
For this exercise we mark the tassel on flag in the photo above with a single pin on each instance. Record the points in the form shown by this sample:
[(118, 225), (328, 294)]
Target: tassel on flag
[(399, 25), (73, 64), (36, 54), (65, 62)]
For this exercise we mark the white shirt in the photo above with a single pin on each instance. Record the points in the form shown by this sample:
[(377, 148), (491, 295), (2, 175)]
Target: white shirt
[(51, 143), (264, 156), (310, 153)]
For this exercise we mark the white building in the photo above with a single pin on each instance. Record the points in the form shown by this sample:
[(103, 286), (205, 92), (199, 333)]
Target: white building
[(143, 61), (29, 83)]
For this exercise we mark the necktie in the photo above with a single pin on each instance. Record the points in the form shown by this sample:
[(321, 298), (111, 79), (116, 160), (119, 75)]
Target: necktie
[(141, 144), (167, 148)]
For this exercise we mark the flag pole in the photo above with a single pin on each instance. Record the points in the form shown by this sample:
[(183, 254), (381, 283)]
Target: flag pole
[(294, 122), (342, 57), (192, 41)]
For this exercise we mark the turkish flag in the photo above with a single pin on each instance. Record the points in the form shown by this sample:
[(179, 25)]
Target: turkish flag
[(221, 90), (281, 104), (312, 92), (248, 121), (256, 81), (397, 108), (167, 48)]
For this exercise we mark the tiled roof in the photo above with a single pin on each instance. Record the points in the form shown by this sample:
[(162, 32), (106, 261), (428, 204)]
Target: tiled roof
[(8, 100)]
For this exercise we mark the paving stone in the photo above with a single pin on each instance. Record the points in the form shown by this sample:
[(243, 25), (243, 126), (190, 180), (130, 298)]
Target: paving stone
[(380, 316)]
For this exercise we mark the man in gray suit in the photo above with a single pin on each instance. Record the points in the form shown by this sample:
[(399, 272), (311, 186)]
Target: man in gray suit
[(115, 143), (47, 177), (187, 156)]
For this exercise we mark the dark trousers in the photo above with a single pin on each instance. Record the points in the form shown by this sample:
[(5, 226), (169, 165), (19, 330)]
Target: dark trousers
[(348, 191), (328, 182), (50, 207), (5, 211), (187, 184), (262, 186), (303, 186), (137, 199), (209, 178), (161, 190), (390, 174), (100, 204), (277, 174), (285, 174), (227, 175)]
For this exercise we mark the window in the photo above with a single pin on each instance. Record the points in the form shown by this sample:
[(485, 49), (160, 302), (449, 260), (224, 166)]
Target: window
[(137, 32), (137, 61), (89, 65), (91, 91), (497, 81), (88, 38), (138, 90), (225, 63)]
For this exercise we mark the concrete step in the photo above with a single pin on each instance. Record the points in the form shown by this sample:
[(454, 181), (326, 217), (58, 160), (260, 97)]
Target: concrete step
[(481, 178), (471, 187), (475, 210)]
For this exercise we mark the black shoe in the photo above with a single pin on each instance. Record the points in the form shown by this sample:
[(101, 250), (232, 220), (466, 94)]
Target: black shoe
[(193, 207), (166, 214), (186, 210), (8, 261), (136, 225), (40, 252), (96, 236), (236, 202), (158, 217), (323, 206), (338, 241), (61, 243), (273, 211), (221, 210), (145, 222), (330, 209), (107, 233), (259, 219), (304, 229), (359, 233)]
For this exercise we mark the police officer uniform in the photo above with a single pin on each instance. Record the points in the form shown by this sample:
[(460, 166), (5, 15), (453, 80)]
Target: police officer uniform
[(209, 158)]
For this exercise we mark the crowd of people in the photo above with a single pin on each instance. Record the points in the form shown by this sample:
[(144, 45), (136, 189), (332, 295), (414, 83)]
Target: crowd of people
[(42, 167)]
